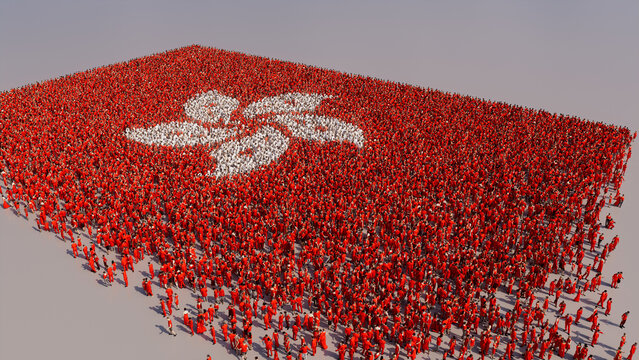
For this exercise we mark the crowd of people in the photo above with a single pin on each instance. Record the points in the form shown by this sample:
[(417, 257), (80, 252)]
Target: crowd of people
[(391, 216)]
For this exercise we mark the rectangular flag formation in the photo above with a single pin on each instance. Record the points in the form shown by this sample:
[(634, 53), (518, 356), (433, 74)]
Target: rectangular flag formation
[(379, 212)]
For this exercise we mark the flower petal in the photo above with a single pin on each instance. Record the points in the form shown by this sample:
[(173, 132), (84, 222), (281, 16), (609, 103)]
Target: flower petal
[(211, 107), (321, 128), (178, 134), (285, 103), (249, 153)]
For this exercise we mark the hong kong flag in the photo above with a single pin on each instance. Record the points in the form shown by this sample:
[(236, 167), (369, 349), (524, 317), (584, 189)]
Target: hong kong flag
[(375, 205)]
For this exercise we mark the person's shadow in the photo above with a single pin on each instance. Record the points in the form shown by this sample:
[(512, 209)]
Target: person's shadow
[(19, 213), (162, 329), (183, 328), (608, 321), (86, 266), (157, 309), (140, 290)]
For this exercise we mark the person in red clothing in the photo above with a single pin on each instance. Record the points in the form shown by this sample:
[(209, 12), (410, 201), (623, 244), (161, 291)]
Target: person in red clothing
[(608, 307), (322, 340), (74, 247), (602, 298), (225, 331), (204, 293), (213, 335), (595, 337), (562, 308), (624, 318), (233, 341), (268, 345), (276, 340), (146, 285), (580, 311), (631, 353), (105, 278), (151, 272), (543, 348), (622, 342), (567, 322), (341, 350), (200, 326), (619, 278), (170, 326), (169, 295), (163, 306), (314, 346), (608, 220), (577, 354), (303, 351), (93, 264), (243, 347), (287, 343), (5, 204), (110, 274), (295, 330), (451, 346)]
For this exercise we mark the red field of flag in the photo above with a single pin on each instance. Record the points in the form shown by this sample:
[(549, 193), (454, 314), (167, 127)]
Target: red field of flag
[(380, 206)]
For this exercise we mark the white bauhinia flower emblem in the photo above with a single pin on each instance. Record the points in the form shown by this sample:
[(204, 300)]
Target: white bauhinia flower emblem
[(212, 124)]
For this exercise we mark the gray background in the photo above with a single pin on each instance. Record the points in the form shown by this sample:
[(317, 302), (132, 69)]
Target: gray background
[(571, 57)]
